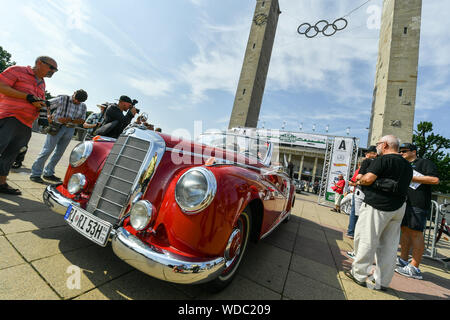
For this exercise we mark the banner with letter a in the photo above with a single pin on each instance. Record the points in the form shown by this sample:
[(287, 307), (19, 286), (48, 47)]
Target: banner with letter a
[(341, 163)]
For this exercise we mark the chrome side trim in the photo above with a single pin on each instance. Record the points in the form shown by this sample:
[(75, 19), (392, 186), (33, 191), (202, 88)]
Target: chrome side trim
[(162, 264)]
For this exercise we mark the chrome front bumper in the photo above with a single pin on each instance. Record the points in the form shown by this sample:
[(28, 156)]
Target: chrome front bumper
[(56, 201), (155, 262), (162, 264)]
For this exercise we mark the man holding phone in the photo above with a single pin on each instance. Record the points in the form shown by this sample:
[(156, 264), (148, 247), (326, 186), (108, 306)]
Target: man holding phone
[(22, 95)]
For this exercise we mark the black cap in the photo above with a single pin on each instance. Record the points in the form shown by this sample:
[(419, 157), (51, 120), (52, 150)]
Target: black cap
[(371, 149), (125, 99), (408, 146)]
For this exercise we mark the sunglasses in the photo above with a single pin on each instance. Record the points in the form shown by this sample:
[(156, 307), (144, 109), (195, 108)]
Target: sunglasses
[(404, 151), (52, 67)]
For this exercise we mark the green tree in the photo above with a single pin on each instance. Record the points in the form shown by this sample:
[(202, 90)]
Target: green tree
[(5, 60), (435, 148)]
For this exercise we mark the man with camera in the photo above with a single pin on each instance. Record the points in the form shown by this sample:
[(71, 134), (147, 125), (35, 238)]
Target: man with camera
[(70, 111), (22, 95), (377, 232), (115, 121)]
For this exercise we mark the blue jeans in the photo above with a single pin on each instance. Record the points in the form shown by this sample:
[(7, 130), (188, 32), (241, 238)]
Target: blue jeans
[(59, 143), (353, 219)]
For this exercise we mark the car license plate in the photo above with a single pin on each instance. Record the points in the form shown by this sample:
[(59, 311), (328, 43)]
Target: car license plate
[(88, 225)]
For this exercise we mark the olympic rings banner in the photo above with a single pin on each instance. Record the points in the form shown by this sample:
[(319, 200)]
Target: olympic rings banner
[(322, 26)]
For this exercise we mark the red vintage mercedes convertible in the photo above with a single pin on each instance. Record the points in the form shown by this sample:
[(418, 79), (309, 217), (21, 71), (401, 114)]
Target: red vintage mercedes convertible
[(177, 210)]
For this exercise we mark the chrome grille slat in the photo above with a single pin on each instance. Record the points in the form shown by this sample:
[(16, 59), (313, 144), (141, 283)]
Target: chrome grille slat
[(114, 177), (115, 190), (126, 168), (105, 213), (133, 147), (119, 205), (129, 158)]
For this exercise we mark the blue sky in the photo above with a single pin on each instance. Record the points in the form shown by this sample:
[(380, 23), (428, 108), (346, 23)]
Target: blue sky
[(182, 59)]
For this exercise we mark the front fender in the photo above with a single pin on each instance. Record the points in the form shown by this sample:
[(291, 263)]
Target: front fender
[(206, 233)]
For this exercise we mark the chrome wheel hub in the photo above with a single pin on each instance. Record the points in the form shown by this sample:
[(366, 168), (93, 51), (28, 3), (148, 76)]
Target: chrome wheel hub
[(234, 245)]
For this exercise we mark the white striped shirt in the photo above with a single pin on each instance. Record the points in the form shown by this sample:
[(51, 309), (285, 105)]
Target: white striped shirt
[(74, 111)]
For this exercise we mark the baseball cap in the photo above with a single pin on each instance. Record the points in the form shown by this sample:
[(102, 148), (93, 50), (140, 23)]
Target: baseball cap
[(125, 99), (371, 149), (408, 146)]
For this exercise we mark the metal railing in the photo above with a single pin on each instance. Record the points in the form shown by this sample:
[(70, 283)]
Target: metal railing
[(431, 233)]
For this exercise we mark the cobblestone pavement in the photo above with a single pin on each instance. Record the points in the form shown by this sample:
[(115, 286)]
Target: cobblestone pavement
[(302, 259)]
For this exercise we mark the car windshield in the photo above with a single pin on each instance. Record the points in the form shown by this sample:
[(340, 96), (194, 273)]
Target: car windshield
[(244, 145)]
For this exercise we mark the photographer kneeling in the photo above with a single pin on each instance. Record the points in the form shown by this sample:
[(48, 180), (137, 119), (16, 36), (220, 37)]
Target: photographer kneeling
[(115, 121)]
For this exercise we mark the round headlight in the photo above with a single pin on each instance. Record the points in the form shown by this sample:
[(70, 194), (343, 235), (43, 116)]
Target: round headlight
[(195, 189), (80, 153), (76, 183), (141, 215)]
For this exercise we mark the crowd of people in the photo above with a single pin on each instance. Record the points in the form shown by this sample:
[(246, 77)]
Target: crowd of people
[(23, 100), (391, 201)]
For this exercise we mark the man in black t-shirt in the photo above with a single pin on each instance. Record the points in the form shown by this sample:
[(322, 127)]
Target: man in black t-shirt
[(377, 232), (418, 207)]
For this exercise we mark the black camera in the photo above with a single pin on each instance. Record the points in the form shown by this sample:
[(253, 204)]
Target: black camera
[(133, 103)]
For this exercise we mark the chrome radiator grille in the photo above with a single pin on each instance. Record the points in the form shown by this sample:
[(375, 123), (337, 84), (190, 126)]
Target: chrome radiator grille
[(113, 187)]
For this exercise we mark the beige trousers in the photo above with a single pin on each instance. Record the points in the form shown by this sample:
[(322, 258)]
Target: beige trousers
[(377, 236)]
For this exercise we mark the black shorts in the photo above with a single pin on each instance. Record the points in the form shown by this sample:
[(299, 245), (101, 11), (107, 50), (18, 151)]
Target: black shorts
[(415, 218), (13, 136)]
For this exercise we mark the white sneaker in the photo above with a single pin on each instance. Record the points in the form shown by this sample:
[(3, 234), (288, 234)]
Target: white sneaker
[(409, 271)]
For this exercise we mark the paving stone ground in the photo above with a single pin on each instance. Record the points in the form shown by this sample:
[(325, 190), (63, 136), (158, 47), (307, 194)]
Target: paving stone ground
[(303, 259)]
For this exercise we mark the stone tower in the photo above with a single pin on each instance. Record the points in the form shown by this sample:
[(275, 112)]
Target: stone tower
[(394, 94), (250, 90)]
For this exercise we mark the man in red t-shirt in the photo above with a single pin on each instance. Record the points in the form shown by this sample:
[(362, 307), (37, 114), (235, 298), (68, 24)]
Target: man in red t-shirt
[(22, 95), (338, 188)]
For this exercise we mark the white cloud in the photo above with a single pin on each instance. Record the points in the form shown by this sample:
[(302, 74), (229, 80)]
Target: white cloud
[(218, 61), (150, 87), (78, 15), (433, 91), (322, 64), (197, 2)]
